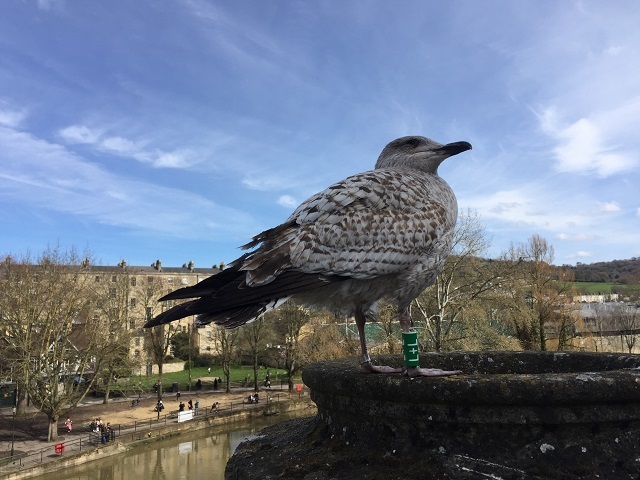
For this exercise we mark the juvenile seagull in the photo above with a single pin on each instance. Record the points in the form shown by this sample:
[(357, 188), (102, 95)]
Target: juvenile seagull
[(378, 235)]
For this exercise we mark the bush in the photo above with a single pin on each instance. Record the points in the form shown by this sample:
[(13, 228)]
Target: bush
[(205, 360)]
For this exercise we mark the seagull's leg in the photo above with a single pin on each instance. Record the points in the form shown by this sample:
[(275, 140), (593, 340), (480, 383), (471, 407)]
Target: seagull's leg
[(366, 365), (405, 324)]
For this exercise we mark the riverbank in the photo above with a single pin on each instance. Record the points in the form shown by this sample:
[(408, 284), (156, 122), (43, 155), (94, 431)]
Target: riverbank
[(33, 456)]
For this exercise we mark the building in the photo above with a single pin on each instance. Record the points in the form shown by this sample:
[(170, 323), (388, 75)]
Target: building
[(128, 296)]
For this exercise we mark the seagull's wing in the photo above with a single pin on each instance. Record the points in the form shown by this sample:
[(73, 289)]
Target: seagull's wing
[(371, 224)]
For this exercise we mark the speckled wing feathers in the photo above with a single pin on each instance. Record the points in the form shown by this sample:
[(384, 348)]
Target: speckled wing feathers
[(379, 234), (375, 223)]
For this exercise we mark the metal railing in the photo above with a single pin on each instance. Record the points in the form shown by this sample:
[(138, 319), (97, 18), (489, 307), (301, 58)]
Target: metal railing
[(134, 431)]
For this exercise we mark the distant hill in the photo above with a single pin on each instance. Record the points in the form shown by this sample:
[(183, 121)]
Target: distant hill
[(617, 271)]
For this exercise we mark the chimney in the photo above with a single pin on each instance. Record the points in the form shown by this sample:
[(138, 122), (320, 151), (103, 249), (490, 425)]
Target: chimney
[(222, 266), (191, 265)]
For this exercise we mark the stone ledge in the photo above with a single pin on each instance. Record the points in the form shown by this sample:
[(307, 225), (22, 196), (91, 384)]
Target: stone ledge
[(510, 414)]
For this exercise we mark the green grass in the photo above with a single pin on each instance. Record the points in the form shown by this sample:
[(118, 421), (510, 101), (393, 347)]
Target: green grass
[(594, 288), (238, 374)]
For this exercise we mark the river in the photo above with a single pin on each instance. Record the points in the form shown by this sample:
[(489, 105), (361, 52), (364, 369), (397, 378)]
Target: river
[(202, 455)]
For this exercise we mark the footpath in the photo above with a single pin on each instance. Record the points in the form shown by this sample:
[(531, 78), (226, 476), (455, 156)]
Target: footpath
[(131, 420)]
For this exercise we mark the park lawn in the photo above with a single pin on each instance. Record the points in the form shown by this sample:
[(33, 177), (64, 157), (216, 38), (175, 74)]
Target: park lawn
[(238, 374), (594, 288)]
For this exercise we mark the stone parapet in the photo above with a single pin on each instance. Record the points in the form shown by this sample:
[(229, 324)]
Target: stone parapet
[(509, 415)]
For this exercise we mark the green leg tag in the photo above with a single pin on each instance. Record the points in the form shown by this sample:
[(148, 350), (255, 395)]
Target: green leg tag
[(410, 349)]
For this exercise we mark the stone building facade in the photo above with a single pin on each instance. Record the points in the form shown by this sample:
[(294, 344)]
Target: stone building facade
[(130, 296)]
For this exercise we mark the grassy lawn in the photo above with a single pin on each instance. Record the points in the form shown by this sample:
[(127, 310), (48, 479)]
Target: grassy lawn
[(593, 288), (238, 374)]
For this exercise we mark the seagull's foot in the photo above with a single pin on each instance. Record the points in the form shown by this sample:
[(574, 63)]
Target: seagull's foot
[(429, 372), (368, 367)]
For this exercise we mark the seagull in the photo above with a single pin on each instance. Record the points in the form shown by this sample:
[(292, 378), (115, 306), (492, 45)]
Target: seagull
[(380, 235)]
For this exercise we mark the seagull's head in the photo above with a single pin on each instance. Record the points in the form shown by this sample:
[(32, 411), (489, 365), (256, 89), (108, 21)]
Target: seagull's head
[(418, 153)]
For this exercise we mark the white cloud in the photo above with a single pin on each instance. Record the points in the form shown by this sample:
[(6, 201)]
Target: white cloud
[(12, 118), (287, 201), (609, 207), (581, 254), (582, 147), (46, 175), (47, 5), (124, 147), (581, 237), (265, 182), (79, 134)]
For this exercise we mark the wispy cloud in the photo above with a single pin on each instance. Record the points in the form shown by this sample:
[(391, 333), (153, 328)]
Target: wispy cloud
[(609, 207), (12, 118), (287, 201), (124, 147), (582, 237), (584, 147), (51, 4), (49, 176)]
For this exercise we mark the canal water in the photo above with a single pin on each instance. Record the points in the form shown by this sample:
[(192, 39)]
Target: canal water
[(198, 456)]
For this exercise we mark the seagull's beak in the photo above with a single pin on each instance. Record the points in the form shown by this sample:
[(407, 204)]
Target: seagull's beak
[(454, 148)]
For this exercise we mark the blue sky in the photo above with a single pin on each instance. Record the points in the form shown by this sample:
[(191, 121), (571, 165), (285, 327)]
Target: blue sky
[(176, 130)]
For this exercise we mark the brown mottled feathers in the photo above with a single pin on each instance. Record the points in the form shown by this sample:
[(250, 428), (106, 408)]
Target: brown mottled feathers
[(382, 233)]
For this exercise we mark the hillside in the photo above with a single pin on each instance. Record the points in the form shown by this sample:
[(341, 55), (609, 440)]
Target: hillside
[(617, 271)]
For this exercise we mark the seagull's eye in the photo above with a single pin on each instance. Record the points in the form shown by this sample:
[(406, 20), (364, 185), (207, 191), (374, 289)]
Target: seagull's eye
[(413, 142)]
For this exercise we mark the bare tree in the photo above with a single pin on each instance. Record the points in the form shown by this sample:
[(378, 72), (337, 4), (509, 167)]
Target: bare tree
[(386, 320), (465, 278), (45, 306), (548, 289), (158, 339), (255, 334), (225, 344), (294, 317), (112, 325), (324, 339), (288, 321), (627, 321)]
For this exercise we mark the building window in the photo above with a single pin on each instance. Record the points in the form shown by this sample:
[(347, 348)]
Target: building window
[(149, 279), (137, 341), (208, 333), (133, 281), (132, 326), (149, 312), (97, 278), (137, 353), (112, 292), (132, 302), (114, 278)]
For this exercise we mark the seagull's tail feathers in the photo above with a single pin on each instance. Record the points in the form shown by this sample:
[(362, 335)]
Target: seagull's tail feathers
[(241, 315), (230, 303), (210, 285), (228, 318)]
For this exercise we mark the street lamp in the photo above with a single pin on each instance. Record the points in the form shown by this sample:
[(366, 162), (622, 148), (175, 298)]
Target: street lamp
[(13, 422), (189, 329)]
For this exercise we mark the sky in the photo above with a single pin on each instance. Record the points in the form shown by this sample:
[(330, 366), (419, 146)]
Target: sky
[(178, 129)]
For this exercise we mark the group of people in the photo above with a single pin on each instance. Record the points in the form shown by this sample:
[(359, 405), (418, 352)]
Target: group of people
[(190, 406), (107, 434)]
